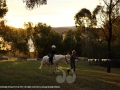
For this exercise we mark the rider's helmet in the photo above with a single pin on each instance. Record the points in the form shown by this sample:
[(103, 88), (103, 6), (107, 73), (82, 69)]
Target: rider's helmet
[(53, 46)]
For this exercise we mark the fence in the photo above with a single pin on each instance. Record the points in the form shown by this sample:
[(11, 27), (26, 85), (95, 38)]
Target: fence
[(103, 62)]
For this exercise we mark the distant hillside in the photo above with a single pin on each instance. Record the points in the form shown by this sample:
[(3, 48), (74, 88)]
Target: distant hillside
[(62, 29)]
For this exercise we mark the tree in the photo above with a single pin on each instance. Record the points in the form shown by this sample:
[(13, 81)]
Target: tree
[(109, 13), (29, 27), (31, 4), (22, 41), (3, 8), (42, 38), (3, 11), (56, 39), (116, 39), (17, 39), (69, 42), (84, 19), (79, 42)]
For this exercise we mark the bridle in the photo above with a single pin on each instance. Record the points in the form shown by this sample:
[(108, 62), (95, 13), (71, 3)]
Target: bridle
[(66, 59)]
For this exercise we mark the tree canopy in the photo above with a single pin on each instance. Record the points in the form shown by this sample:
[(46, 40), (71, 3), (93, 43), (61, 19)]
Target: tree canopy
[(31, 4), (3, 8)]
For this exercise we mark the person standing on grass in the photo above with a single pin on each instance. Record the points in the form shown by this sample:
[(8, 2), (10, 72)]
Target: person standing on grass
[(72, 62)]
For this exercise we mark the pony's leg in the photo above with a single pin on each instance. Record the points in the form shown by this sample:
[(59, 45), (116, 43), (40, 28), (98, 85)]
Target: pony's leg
[(41, 67), (55, 69)]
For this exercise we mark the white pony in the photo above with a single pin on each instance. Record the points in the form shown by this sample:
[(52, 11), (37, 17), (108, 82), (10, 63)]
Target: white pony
[(56, 60)]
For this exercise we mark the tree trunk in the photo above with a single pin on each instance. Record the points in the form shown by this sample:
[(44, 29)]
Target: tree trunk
[(109, 38), (108, 62)]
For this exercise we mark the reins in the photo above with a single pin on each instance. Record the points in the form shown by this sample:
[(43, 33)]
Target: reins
[(66, 59)]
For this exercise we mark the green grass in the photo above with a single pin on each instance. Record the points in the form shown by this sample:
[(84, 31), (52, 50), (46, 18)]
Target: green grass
[(26, 73)]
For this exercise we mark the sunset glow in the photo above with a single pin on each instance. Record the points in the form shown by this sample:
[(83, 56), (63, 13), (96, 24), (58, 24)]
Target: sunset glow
[(56, 13)]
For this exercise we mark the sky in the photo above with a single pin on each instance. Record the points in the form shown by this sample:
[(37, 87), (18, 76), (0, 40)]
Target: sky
[(57, 13)]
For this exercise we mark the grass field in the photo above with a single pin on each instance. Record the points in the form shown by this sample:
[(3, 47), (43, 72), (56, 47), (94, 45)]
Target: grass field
[(26, 73)]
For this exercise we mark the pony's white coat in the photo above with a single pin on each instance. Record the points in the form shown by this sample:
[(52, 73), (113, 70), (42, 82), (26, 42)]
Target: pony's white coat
[(56, 60)]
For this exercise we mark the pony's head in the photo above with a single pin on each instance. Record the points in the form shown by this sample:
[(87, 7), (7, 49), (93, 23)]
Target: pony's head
[(67, 58)]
